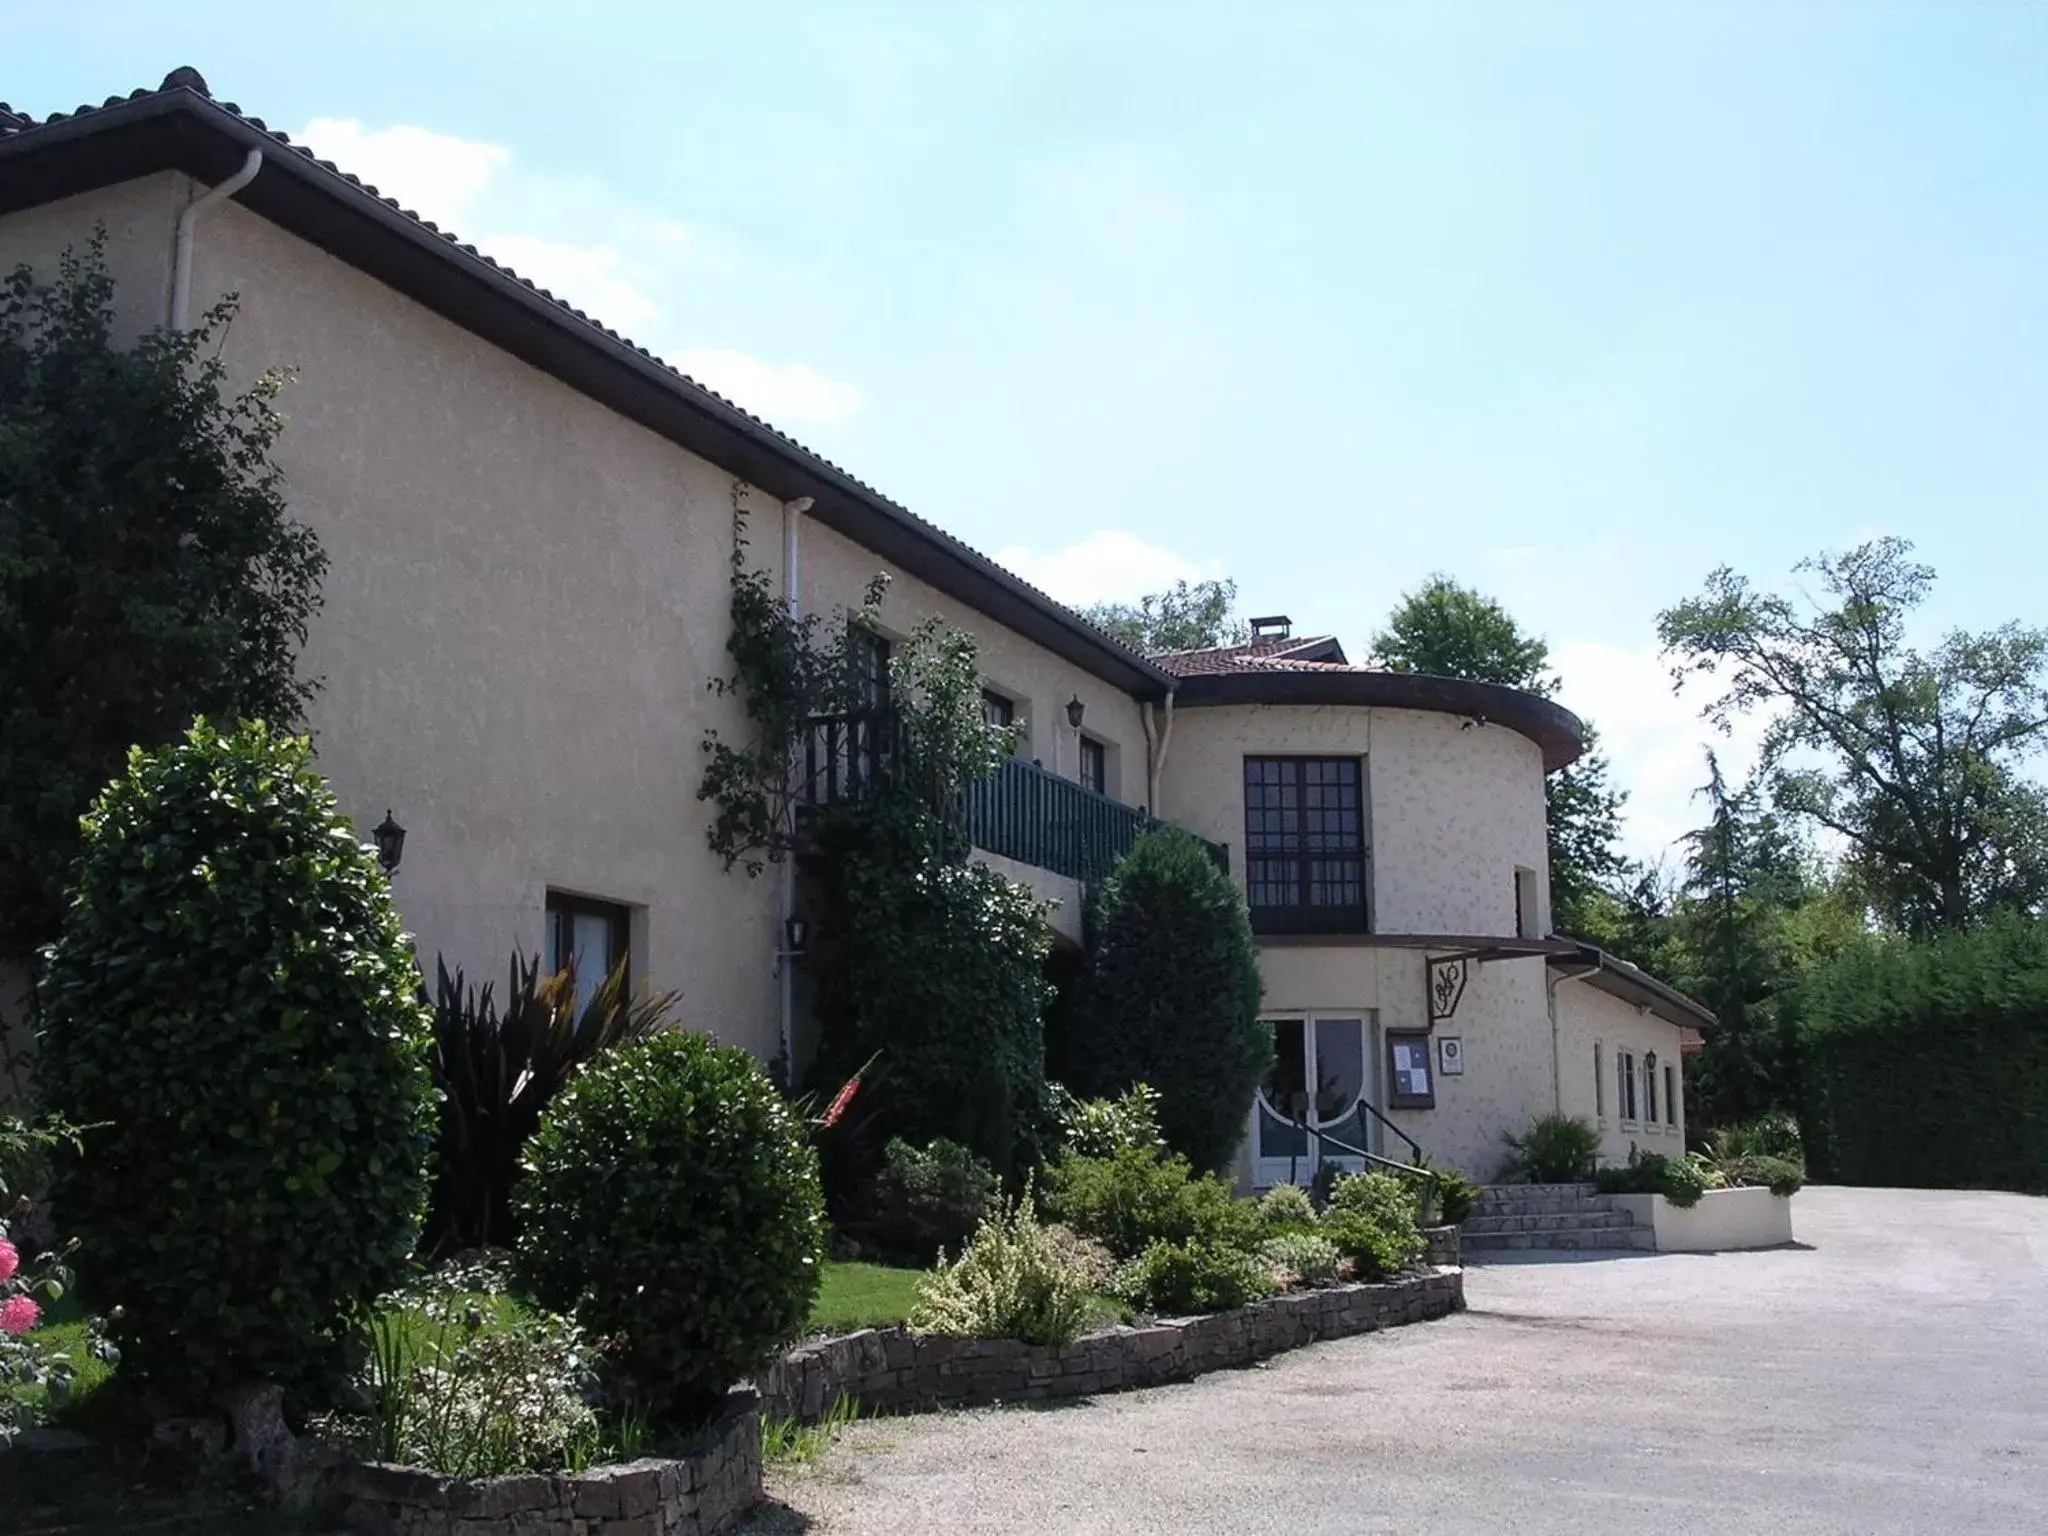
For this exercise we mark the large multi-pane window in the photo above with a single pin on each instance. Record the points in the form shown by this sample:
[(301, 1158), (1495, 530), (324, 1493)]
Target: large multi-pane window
[(1304, 844)]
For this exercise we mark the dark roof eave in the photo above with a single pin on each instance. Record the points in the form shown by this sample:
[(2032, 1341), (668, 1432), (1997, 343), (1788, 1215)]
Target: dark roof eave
[(1559, 732), (179, 129), (1632, 984)]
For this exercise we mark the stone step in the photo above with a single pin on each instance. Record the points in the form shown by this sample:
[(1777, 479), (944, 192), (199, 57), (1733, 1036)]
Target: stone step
[(1563, 1205), (1601, 1239), (1576, 1221)]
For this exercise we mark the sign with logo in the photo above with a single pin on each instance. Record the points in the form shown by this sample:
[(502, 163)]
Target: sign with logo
[(1450, 1056), (1446, 987)]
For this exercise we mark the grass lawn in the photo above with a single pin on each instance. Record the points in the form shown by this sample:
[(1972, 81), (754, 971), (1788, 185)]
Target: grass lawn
[(855, 1296)]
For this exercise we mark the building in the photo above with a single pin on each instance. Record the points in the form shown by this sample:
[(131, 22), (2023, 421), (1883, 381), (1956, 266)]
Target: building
[(529, 521)]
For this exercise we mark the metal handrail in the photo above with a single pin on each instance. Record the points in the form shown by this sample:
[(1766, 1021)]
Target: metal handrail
[(1414, 1146), (1406, 1170)]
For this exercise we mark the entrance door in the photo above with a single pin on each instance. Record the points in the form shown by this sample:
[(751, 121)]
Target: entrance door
[(1317, 1076)]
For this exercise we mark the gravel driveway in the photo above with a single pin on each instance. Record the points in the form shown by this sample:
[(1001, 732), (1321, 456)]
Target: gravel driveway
[(1890, 1376)]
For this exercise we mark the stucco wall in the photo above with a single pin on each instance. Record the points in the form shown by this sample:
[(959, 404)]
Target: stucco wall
[(1454, 811), (1724, 1219), (526, 598), (1586, 1016)]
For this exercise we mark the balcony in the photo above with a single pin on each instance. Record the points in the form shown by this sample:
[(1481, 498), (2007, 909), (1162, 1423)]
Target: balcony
[(1023, 813)]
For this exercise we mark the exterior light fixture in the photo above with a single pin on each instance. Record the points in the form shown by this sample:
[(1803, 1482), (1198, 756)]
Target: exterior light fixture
[(1075, 710), (796, 934), (390, 838)]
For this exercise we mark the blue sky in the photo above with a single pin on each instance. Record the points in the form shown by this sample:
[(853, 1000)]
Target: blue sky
[(1573, 302)]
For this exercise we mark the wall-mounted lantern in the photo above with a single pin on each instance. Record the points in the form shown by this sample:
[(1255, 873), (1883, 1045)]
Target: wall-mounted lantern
[(796, 935), (1075, 710), (390, 838)]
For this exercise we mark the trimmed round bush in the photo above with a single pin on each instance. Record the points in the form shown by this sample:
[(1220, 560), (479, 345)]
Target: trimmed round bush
[(1180, 1279), (1373, 1221), (1171, 996), (1286, 1207), (671, 1203), (233, 1008)]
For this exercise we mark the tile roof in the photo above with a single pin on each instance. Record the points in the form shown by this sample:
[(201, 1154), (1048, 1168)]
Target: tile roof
[(186, 81), (1267, 653)]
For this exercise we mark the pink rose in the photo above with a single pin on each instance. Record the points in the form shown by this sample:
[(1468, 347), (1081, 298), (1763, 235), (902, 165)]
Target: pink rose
[(18, 1314), (10, 1261)]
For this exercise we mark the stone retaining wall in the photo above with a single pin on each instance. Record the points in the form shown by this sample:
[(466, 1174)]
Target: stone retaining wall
[(701, 1494), (1440, 1246), (895, 1370)]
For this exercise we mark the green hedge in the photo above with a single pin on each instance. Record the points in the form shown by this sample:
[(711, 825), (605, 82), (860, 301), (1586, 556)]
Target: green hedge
[(1926, 1064)]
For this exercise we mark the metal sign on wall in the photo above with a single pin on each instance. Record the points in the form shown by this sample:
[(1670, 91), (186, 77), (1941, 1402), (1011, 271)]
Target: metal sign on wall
[(1446, 987)]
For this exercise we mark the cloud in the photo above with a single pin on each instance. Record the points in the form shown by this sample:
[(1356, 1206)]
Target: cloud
[(478, 191), (437, 175), (1654, 737), (776, 391), (1106, 567)]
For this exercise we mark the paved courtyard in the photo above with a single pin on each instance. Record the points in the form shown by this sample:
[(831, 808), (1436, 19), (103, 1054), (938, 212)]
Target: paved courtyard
[(1892, 1375)]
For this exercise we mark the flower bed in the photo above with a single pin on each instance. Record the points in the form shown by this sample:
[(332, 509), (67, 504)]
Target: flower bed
[(699, 1494), (895, 1370)]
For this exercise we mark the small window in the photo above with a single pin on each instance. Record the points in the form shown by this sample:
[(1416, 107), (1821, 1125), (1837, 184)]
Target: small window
[(1671, 1096), (1526, 924), (592, 934), (1625, 1085), (1094, 766), (1650, 1089), (870, 659), (997, 710), (1600, 1081)]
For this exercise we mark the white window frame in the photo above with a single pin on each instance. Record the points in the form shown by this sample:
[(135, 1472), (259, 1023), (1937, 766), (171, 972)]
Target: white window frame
[(1625, 1089)]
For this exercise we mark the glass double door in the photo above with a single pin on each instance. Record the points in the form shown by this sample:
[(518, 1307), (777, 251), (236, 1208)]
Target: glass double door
[(1321, 1069)]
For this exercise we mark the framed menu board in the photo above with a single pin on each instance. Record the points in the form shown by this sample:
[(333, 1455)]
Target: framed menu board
[(1409, 1084)]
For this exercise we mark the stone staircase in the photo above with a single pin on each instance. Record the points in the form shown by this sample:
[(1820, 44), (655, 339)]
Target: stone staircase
[(1548, 1217)]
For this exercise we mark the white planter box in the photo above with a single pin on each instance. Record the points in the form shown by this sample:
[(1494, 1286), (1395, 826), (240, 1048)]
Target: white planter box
[(1724, 1218)]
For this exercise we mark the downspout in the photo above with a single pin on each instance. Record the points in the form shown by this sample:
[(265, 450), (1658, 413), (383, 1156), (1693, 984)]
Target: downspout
[(188, 221), (1159, 759), (785, 973), (1151, 757), (1556, 1044)]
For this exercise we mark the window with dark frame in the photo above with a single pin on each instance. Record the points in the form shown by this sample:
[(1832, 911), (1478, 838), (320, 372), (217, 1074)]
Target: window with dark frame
[(1304, 841), (1094, 766), (1599, 1082), (1670, 1094), (997, 710), (1625, 1085), (592, 933)]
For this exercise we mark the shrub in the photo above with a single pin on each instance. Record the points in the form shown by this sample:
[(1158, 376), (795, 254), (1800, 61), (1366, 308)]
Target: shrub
[(1105, 1127), (1779, 1175), (1926, 1064), (1302, 1258), (149, 567), (1678, 1179), (1373, 1220), (498, 1071), (465, 1380), (1556, 1149), (928, 1198), (1286, 1206), (1774, 1135), (1092, 1264), (1177, 1279), (1171, 995), (671, 1204), (1135, 1198), (1456, 1198), (1013, 1282), (233, 1005)]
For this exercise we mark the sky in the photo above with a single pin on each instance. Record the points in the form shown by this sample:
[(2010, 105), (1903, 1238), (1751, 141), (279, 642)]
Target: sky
[(1572, 302)]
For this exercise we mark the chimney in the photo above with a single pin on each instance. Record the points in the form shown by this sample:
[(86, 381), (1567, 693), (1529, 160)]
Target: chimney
[(1275, 626)]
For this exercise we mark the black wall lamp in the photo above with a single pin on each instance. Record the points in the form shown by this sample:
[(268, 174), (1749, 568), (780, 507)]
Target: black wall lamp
[(1075, 710), (796, 934), (390, 838)]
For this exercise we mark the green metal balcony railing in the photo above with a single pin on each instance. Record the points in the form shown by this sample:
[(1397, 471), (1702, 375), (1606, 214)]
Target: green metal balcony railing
[(1023, 813)]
